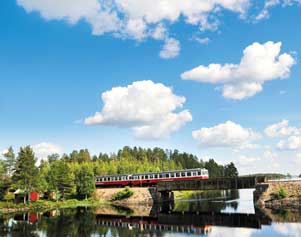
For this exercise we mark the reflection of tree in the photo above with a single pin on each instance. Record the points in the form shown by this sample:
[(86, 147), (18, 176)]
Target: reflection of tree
[(124, 232), (208, 201), (102, 231), (122, 210), (86, 222), (23, 229), (199, 206)]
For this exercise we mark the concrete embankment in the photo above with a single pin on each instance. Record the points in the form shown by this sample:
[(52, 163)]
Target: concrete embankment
[(142, 195), (278, 195)]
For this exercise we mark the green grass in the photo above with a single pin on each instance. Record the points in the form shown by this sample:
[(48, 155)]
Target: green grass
[(44, 205)]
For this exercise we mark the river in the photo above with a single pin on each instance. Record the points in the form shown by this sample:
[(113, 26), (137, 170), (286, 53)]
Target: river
[(230, 214)]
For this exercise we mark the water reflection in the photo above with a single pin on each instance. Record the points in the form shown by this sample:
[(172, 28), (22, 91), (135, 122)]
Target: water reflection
[(184, 218)]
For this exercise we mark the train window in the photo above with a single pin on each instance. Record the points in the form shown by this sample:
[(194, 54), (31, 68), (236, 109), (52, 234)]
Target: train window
[(155, 176), (172, 175), (199, 173), (188, 174), (160, 175), (177, 174), (183, 174)]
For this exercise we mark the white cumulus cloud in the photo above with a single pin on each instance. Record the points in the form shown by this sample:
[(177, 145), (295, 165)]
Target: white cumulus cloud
[(259, 63), (228, 134), (43, 149), (136, 19), (171, 49), (281, 129), (4, 151), (291, 143), (264, 13), (144, 106)]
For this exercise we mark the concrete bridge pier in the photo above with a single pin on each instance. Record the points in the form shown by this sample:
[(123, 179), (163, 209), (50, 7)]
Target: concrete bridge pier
[(167, 201), (167, 196)]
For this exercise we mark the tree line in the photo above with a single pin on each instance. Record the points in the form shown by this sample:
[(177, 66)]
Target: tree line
[(72, 175)]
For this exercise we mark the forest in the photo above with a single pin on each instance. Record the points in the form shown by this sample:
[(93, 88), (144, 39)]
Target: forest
[(72, 175)]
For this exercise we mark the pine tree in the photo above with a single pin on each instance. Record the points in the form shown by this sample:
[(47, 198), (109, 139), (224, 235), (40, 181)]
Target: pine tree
[(9, 161), (2, 168), (230, 170), (61, 179), (26, 172)]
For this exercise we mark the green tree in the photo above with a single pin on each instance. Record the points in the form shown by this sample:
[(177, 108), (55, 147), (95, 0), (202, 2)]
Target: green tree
[(230, 170), (60, 179), (25, 175), (2, 169), (53, 157), (85, 183), (5, 182), (42, 184), (84, 156), (9, 161), (214, 169)]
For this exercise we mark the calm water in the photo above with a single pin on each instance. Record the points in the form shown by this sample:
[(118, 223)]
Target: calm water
[(232, 214)]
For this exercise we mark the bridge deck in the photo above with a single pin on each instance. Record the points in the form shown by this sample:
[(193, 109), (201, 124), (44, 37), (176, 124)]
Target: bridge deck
[(211, 184)]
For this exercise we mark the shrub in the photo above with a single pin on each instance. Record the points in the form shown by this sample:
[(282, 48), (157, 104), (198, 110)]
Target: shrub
[(123, 194), (9, 196), (280, 194)]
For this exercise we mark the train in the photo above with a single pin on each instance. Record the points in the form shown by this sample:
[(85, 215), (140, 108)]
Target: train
[(151, 178)]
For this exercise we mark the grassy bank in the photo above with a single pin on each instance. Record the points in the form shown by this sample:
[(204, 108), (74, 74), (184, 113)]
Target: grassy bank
[(44, 205)]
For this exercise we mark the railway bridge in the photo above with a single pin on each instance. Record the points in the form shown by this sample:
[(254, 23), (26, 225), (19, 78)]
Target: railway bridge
[(165, 189)]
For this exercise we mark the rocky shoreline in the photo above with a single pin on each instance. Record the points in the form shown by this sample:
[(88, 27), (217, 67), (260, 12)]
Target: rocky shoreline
[(278, 195)]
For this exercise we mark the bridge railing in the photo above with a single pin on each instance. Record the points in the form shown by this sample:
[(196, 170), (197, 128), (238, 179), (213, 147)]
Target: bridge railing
[(211, 184)]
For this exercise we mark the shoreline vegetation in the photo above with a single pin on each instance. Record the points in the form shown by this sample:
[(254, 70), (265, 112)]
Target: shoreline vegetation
[(45, 205)]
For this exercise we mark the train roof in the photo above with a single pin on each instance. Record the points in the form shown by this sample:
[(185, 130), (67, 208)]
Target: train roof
[(147, 173)]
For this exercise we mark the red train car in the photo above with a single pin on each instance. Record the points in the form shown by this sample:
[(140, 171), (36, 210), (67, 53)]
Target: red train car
[(149, 179)]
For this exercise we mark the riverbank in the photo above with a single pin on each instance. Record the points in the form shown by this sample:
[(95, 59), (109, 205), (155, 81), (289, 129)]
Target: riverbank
[(44, 205), (278, 195)]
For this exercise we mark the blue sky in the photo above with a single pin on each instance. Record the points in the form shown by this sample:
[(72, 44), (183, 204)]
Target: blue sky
[(53, 71)]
